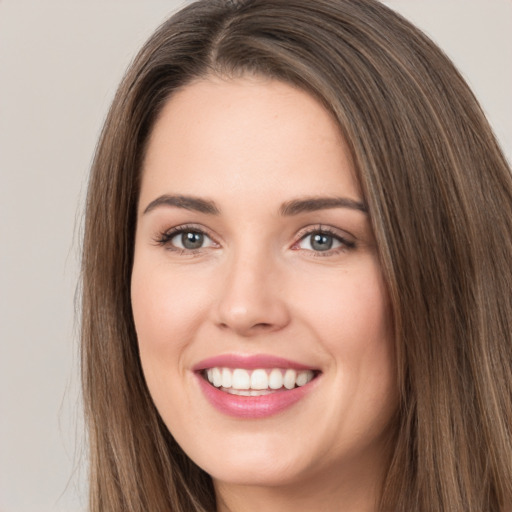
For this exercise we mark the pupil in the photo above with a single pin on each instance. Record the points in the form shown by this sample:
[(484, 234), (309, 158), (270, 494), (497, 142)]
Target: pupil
[(192, 240), (321, 242)]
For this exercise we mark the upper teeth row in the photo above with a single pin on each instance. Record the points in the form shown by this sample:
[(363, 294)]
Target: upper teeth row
[(240, 378)]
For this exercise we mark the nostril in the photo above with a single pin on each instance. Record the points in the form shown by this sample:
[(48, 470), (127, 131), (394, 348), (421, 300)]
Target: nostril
[(262, 326)]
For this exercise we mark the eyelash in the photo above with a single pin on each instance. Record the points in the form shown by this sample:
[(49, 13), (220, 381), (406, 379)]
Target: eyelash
[(164, 239)]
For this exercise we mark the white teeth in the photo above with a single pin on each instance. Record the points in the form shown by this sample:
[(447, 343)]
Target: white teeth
[(216, 377), (302, 379), (259, 379), (226, 378), (257, 382), (289, 379), (241, 379), (275, 379)]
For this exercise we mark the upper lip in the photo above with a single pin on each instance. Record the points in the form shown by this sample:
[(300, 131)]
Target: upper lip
[(249, 362)]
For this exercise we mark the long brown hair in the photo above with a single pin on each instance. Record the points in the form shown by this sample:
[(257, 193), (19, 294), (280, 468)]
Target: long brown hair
[(439, 193)]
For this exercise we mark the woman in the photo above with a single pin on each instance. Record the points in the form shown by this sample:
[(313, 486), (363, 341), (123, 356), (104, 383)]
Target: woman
[(296, 272)]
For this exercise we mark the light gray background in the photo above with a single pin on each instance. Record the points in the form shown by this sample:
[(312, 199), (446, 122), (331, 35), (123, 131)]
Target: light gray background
[(60, 62)]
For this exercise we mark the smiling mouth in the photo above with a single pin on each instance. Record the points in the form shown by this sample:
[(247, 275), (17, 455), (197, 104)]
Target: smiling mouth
[(257, 382)]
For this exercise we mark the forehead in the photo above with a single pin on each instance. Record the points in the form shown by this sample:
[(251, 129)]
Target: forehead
[(247, 134)]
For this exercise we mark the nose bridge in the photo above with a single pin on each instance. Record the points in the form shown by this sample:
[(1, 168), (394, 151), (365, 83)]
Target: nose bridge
[(250, 300)]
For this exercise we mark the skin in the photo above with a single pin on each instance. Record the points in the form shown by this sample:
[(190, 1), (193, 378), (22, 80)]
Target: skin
[(258, 286)]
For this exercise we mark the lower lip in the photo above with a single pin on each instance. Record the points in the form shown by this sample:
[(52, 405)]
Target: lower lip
[(253, 407)]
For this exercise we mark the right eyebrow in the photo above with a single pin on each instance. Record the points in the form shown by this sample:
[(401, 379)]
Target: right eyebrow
[(312, 204), (187, 202)]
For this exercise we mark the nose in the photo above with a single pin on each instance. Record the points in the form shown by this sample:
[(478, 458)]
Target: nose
[(252, 299)]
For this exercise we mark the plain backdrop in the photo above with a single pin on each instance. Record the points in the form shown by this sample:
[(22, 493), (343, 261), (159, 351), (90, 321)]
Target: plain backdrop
[(60, 63)]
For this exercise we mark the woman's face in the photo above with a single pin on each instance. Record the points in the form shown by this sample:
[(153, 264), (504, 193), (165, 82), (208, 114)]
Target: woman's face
[(256, 269)]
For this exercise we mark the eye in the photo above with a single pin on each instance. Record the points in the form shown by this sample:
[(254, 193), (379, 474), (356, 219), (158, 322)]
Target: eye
[(322, 240), (186, 239), (319, 242), (190, 240)]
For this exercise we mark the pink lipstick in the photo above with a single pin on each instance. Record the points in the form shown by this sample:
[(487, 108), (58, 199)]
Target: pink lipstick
[(254, 386)]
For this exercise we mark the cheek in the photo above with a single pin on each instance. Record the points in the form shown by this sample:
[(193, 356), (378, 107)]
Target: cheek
[(167, 314), (351, 316), (350, 311), (166, 309), (164, 327)]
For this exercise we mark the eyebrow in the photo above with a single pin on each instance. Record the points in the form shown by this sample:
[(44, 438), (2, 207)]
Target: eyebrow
[(187, 202), (312, 204), (290, 208)]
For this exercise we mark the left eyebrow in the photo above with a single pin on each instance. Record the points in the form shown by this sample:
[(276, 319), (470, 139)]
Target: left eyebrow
[(186, 202), (312, 204)]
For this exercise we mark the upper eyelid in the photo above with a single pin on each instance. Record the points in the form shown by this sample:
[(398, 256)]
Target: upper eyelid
[(188, 227), (321, 228), (167, 235)]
